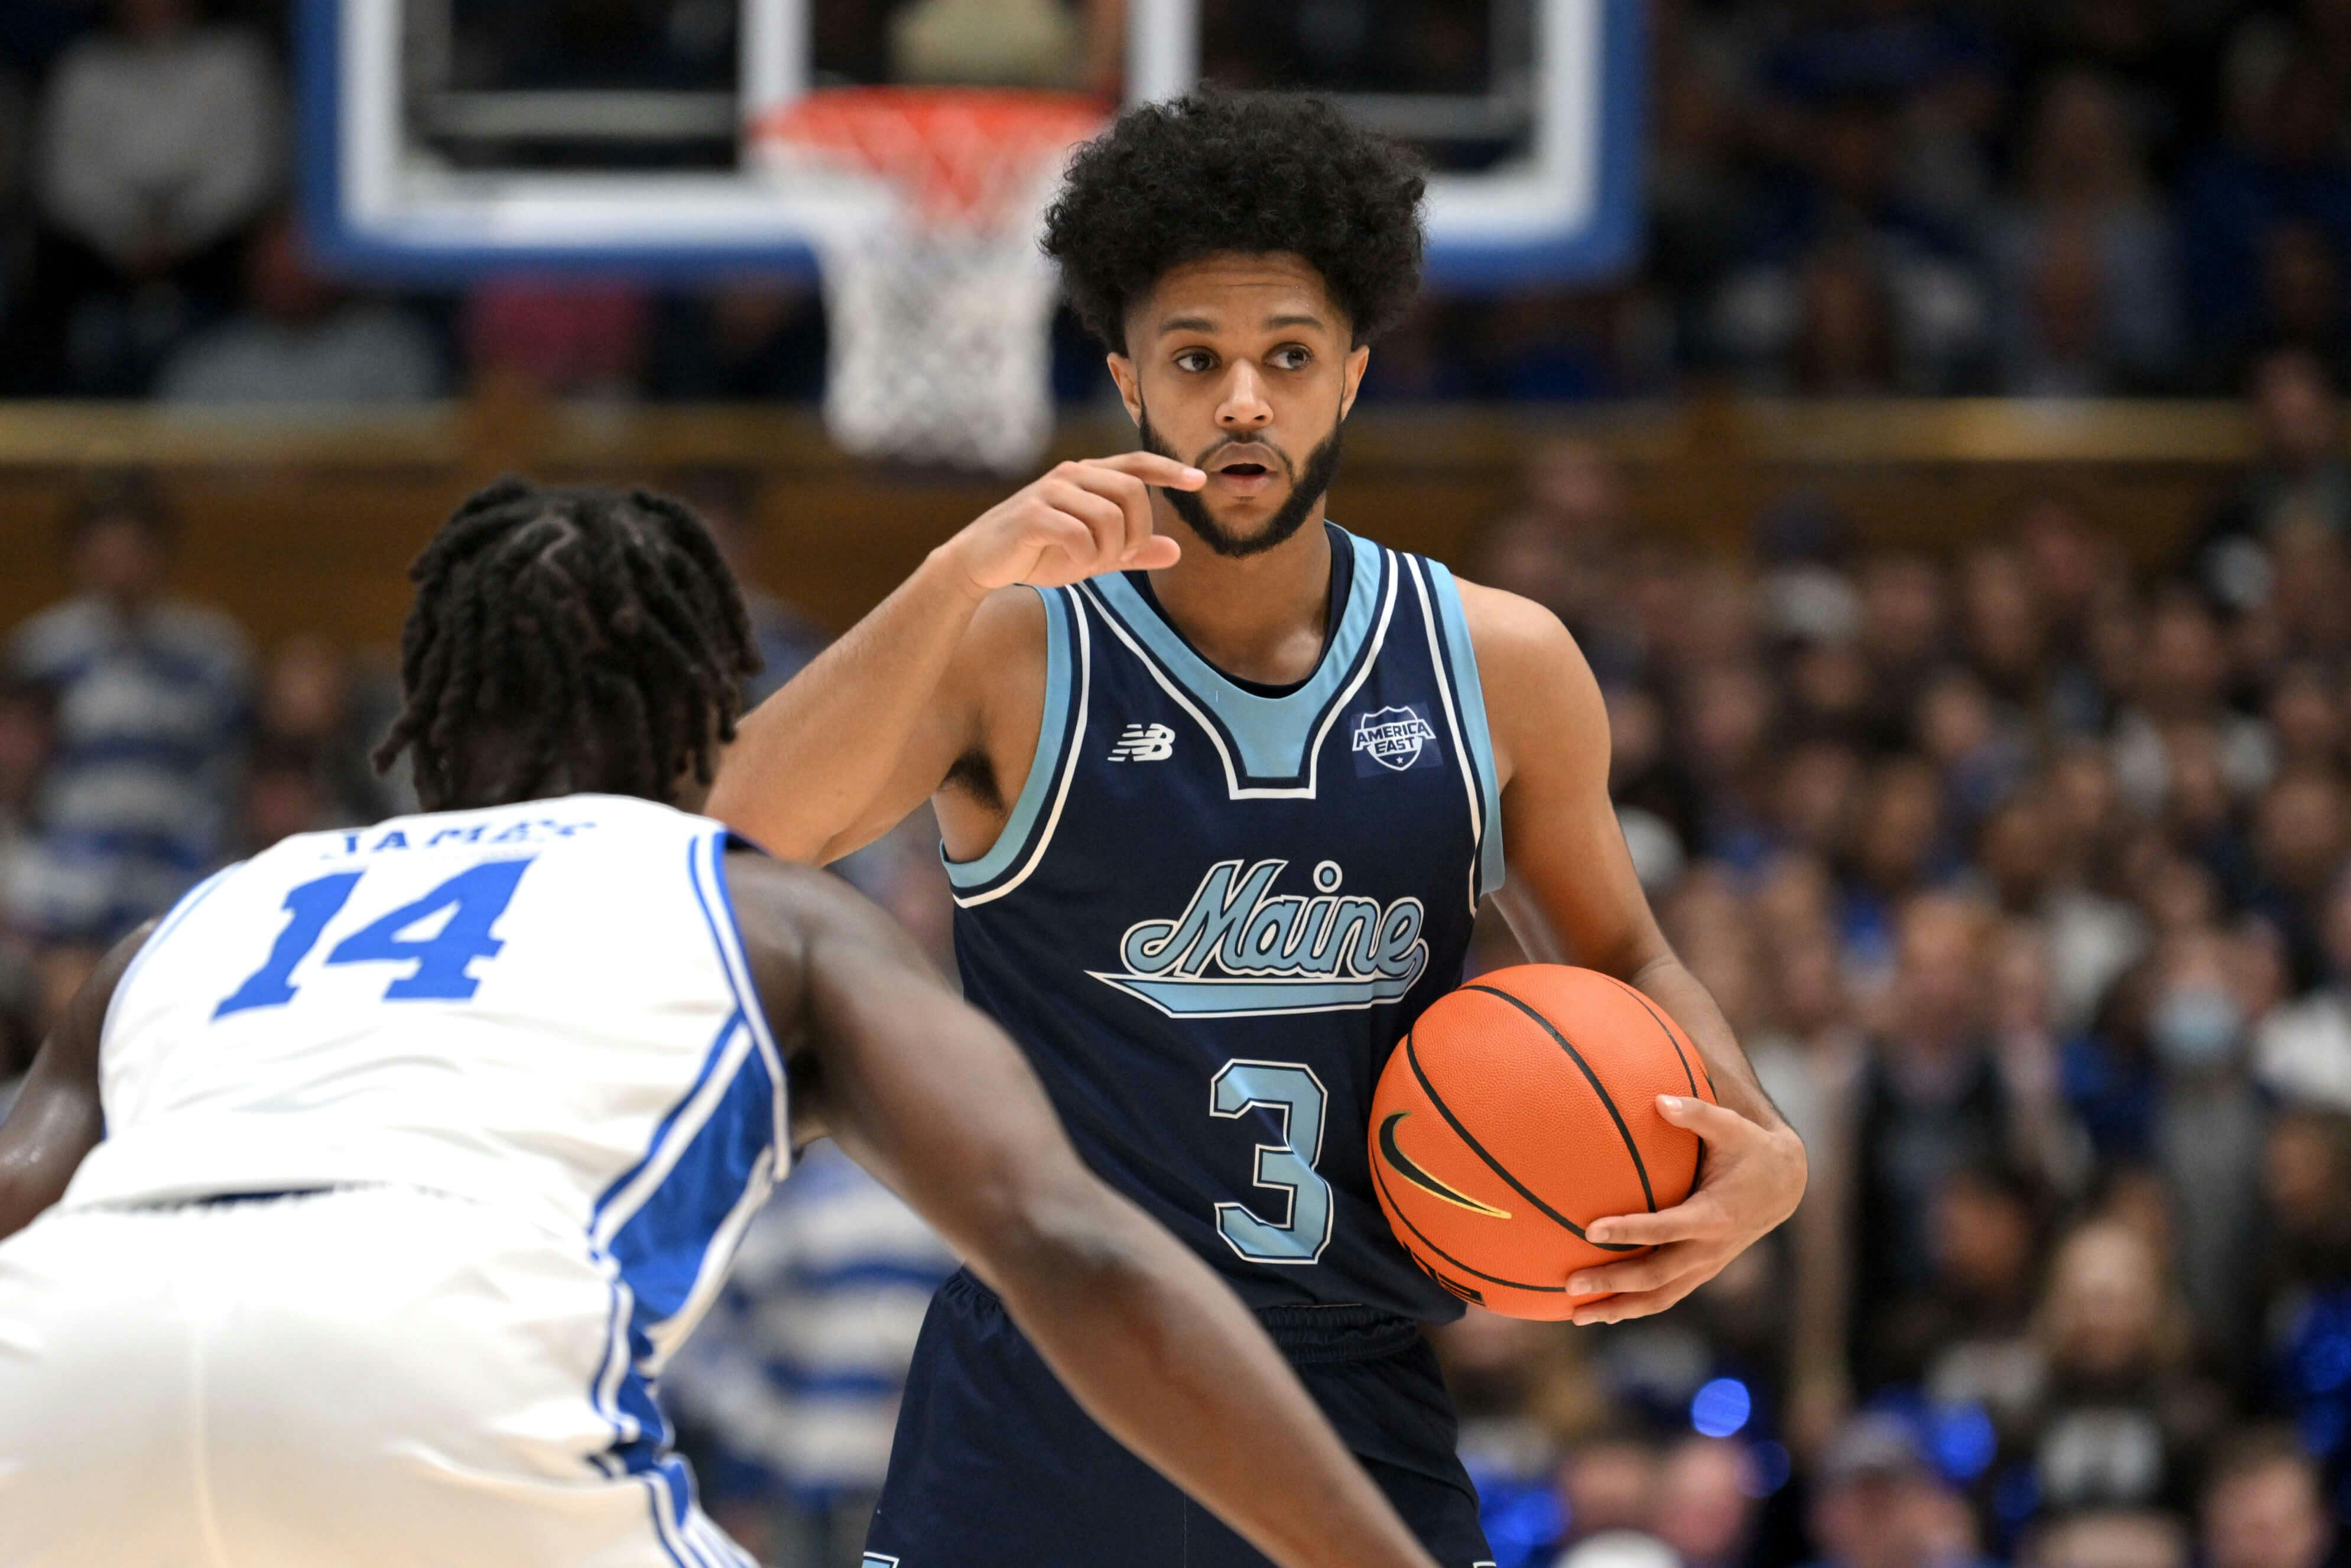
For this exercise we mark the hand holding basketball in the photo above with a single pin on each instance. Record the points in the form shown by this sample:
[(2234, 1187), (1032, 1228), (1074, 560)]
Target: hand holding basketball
[(1520, 1109), (1536, 1144), (1081, 519), (1750, 1175)]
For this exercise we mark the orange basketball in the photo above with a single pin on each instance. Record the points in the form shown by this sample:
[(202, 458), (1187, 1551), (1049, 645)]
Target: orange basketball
[(1519, 1108)]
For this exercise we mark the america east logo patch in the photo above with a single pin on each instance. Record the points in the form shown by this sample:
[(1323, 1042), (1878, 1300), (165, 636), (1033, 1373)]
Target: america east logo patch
[(1392, 737)]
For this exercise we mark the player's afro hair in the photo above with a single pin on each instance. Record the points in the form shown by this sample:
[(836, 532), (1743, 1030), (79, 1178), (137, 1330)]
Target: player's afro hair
[(1217, 173)]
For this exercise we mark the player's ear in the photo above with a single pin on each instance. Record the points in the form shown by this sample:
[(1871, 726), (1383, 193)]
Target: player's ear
[(1129, 391), (1357, 358)]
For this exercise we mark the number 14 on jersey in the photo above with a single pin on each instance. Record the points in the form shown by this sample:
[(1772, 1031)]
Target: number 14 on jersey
[(474, 899)]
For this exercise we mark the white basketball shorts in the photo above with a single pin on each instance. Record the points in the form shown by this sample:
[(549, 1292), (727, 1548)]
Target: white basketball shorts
[(365, 1378)]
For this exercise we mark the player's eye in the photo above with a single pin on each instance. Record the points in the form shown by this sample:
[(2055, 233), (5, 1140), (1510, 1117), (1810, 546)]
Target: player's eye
[(1292, 356), (1194, 360)]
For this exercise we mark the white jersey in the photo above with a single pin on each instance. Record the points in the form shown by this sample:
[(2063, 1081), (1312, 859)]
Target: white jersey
[(514, 1064), (545, 1008)]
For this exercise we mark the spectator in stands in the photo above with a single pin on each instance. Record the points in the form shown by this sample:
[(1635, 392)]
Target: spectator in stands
[(2004, 629), (2284, 164), (1609, 1482), (2182, 682), (1897, 844), (786, 640), (160, 138), (1700, 189), (748, 340), (1860, 274), (26, 725), (999, 43), (1930, 1102), (2116, 1414), (16, 148), (1879, 1504), (2307, 1300), (560, 336), (2094, 931), (2088, 299), (1904, 636), (2208, 1131), (2301, 295), (2301, 473), (2301, 830), (2303, 1050), (2110, 1538), (277, 797), (319, 704), (1707, 1493), (152, 699), (1922, 77), (2264, 1507), (1979, 746), (1971, 1339), (301, 344)]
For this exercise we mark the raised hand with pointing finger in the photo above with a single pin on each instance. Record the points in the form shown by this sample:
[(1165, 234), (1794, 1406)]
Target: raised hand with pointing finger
[(1079, 520)]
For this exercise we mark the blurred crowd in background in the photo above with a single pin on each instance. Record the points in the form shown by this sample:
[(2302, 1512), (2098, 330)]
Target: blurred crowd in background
[(2083, 198), (2023, 874), (2025, 879)]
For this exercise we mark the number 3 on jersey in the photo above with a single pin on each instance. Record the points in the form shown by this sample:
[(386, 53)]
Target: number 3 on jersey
[(1287, 1168), (475, 899)]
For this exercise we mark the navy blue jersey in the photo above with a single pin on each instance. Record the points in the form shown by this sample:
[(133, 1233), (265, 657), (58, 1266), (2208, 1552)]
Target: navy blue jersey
[(1216, 909)]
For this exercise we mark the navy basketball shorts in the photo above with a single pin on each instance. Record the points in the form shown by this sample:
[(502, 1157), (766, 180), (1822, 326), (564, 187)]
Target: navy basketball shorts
[(994, 1466)]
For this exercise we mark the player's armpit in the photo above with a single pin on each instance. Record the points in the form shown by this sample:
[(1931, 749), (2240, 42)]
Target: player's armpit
[(57, 1117), (865, 733), (987, 708), (1569, 867)]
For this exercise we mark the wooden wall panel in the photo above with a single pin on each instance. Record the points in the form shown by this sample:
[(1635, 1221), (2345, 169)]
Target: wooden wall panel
[(307, 526)]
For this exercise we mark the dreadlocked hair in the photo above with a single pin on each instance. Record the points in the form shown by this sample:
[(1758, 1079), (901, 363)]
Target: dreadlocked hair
[(574, 636)]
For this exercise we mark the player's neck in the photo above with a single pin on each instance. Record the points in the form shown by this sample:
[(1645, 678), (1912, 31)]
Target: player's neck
[(1261, 617)]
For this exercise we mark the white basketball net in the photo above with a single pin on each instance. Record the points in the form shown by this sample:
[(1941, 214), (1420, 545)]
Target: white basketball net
[(939, 303)]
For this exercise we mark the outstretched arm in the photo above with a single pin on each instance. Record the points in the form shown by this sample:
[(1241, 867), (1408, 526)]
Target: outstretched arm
[(867, 731), (57, 1118), (930, 1096), (1572, 874)]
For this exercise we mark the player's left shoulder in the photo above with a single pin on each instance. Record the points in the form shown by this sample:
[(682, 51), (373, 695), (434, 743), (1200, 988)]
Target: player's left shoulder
[(1539, 689), (1515, 639)]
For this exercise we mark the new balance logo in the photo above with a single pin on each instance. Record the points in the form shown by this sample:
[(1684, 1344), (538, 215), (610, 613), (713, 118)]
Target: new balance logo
[(1143, 743)]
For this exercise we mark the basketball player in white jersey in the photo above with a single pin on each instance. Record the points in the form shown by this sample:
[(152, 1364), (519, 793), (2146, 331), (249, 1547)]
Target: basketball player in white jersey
[(357, 1203)]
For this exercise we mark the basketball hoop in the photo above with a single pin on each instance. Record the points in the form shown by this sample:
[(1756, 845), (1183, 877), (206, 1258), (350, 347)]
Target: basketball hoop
[(940, 303)]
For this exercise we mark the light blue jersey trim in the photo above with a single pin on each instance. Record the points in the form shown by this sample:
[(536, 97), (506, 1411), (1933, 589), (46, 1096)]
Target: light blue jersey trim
[(1053, 736), (1196, 997), (1273, 735), (1478, 742)]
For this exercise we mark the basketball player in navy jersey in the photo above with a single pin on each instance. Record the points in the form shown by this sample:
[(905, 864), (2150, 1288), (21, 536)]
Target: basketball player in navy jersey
[(1221, 787)]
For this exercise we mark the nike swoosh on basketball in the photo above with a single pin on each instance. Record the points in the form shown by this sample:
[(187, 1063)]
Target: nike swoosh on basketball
[(1403, 1165)]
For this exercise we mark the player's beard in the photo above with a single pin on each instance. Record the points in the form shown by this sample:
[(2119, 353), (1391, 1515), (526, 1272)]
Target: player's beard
[(1307, 487)]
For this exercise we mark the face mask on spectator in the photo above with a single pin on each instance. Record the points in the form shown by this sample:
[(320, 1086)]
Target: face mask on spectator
[(2195, 1028)]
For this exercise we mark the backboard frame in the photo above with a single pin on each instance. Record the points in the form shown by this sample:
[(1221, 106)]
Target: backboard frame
[(1572, 214)]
